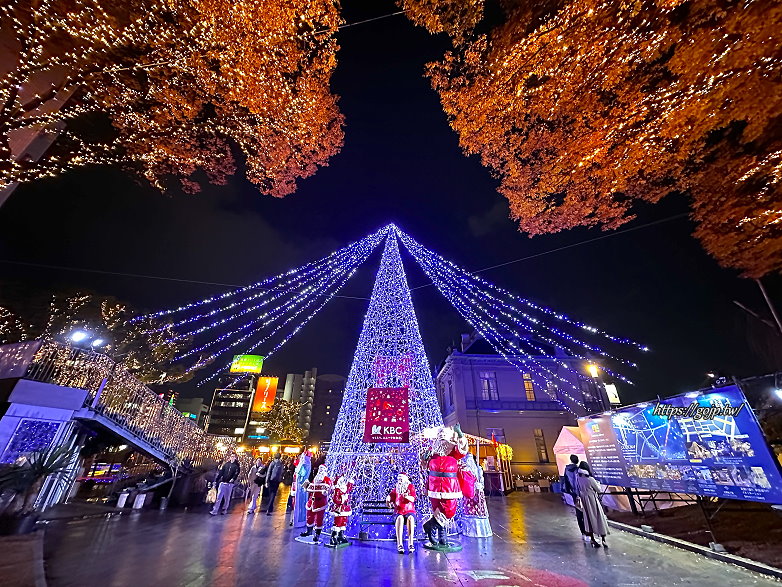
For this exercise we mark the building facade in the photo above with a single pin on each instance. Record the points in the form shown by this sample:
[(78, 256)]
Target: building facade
[(522, 407), (329, 390), (193, 408), (301, 388), (229, 412)]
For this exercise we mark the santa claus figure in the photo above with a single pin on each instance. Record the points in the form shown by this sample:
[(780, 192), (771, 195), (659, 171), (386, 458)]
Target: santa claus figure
[(317, 502), (448, 481), (340, 509), (402, 501)]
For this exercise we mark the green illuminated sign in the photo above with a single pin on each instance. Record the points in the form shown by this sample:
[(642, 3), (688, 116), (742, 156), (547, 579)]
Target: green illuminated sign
[(247, 364)]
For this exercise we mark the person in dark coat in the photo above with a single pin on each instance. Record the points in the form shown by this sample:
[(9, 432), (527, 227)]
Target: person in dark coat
[(226, 478), (595, 521), (571, 476), (273, 478)]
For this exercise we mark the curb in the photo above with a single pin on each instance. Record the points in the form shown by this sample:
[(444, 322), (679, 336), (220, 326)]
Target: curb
[(725, 557)]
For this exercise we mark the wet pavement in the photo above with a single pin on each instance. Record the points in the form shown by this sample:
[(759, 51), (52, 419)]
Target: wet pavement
[(535, 543)]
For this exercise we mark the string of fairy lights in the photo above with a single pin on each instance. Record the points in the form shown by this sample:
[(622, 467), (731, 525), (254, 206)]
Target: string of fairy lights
[(264, 316), (509, 317), (493, 331)]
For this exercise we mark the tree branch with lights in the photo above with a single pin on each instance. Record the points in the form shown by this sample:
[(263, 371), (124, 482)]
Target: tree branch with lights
[(583, 109), (182, 83)]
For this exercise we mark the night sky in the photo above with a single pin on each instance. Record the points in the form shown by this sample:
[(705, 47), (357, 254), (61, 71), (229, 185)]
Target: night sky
[(400, 163)]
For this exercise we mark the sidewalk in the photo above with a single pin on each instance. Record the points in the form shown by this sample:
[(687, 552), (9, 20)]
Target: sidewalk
[(536, 543)]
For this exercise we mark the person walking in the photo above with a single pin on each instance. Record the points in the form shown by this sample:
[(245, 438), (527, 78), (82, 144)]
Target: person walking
[(595, 521), (256, 481), (571, 488), (273, 478), (226, 477)]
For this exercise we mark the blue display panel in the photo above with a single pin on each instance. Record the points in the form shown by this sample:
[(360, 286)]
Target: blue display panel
[(706, 443)]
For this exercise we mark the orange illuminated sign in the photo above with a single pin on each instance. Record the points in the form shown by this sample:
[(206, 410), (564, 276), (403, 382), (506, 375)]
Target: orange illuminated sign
[(265, 392)]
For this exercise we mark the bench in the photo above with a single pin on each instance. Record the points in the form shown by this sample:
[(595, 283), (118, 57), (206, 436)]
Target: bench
[(374, 513)]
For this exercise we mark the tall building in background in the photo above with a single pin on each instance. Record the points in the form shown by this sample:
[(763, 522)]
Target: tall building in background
[(328, 399), (490, 397), (229, 412), (193, 408), (301, 388)]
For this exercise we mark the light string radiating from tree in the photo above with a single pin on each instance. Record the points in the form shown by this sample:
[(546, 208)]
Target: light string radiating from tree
[(295, 280), (280, 316), (486, 328), (486, 312)]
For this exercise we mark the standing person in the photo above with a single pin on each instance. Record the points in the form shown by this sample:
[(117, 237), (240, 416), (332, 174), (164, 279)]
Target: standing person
[(476, 515), (301, 476), (256, 481), (595, 521), (571, 488), (402, 501), (226, 477), (273, 478)]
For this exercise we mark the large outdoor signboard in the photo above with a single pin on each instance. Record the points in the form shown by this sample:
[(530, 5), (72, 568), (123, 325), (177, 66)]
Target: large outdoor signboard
[(705, 443), (388, 415), (265, 393), (247, 364)]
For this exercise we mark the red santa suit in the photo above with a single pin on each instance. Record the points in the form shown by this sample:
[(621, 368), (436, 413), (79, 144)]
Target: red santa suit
[(403, 501), (340, 503), (447, 480), (318, 499)]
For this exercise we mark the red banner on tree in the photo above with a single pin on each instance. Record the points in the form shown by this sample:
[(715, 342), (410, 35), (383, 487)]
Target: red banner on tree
[(388, 415)]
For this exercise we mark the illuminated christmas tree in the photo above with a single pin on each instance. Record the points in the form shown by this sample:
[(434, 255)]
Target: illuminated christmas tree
[(390, 355)]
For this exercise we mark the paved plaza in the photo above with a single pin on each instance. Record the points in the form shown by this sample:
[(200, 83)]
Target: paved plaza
[(535, 543)]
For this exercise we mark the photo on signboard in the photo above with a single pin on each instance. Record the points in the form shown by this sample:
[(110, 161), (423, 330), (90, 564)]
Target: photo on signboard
[(759, 477), (722, 476)]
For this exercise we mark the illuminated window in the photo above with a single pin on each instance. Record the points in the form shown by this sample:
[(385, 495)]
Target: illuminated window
[(489, 386), (540, 446), (529, 387)]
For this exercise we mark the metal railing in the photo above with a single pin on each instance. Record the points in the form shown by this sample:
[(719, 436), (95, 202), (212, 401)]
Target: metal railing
[(117, 395)]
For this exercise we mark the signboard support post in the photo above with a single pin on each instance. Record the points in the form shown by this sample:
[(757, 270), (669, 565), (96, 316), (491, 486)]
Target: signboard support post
[(631, 498), (715, 546)]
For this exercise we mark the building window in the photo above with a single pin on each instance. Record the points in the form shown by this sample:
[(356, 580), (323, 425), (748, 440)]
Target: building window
[(450, 392), (489, 386), (529, 387), (496, 434), (540, 446)]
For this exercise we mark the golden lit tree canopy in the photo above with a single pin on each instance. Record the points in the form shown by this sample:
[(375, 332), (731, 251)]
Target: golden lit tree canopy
[(457, 18), (182, 82), (587, 109)]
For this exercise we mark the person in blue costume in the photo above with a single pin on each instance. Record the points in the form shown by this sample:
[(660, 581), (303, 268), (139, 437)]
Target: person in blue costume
[(300, 476)]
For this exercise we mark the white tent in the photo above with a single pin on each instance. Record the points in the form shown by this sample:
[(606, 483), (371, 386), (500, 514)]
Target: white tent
[(568, 443)]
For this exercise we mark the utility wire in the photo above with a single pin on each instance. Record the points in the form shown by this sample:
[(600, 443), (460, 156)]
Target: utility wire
[(366, 20), (233, 285), (572, 245)]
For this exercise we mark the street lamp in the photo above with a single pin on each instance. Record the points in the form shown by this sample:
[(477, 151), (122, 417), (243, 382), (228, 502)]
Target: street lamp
[(79, 335), (593, 370), (97, 343)]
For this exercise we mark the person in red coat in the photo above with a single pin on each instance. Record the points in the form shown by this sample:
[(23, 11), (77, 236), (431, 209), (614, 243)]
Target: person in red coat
[(340, 509), (448, 481), (402, 501), (317, 502)]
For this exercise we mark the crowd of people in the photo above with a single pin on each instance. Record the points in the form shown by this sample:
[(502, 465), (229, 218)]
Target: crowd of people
[(448, 481)]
